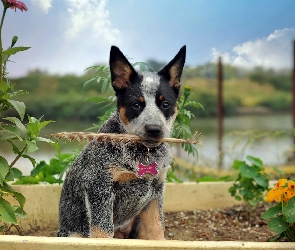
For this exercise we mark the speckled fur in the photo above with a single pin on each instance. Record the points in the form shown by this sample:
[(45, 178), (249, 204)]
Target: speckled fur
[(95, 202)]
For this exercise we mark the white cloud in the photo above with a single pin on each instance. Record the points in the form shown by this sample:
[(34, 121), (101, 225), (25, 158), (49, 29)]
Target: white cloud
[(91, 16), (274, 51), (44, 5)]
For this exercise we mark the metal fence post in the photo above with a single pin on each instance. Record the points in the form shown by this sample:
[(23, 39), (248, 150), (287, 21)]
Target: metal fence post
[(220, 112)]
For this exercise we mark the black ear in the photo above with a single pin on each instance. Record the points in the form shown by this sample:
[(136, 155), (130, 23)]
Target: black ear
[(122, 71), (172, 71)]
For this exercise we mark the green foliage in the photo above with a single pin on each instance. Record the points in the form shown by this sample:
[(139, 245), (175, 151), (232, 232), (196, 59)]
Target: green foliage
[(281, 219), (12, 130), (52, 172), (181, 127), (251, 183), (171, 176), (60, 97), (209, 71), (210, 178), (281, 80)]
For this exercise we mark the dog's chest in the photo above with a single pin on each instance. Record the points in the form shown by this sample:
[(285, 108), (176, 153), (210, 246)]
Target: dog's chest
[(132, 196)]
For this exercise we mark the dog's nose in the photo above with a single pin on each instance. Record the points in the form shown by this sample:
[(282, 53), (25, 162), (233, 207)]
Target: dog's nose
[(153, 131)]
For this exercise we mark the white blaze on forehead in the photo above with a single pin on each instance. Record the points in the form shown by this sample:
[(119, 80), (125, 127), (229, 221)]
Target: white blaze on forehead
[(150, 83)]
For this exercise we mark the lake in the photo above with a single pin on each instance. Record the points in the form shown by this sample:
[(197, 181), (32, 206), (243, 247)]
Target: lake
[(268, 137)]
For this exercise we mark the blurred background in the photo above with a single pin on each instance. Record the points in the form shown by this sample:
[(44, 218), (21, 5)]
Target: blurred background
[(254, 40)]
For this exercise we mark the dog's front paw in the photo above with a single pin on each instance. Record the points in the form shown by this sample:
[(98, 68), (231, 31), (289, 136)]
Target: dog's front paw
[(97, 232)]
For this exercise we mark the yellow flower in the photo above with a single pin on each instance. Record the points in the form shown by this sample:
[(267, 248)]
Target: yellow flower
[(277, 192), (274, 194), (283, 190), (291, 186), (186, 87), (281, 183), (287, 194)]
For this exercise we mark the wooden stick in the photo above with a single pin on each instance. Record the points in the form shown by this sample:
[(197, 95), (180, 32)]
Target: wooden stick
[(122, 138)]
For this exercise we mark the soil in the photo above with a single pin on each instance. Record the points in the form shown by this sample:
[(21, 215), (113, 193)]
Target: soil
[(235, 223), (223, 224)]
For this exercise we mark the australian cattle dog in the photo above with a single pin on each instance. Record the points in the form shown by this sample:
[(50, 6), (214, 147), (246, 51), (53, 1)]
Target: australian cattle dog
[(114, 190)]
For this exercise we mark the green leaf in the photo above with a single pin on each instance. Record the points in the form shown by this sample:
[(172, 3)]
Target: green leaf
[(13, 41), (14, 50), (16, 172), (87, 82), (4, 169), (9, 176), (17, 195), (20, 213), (100, 69), (4, 86), (104, 85), (238, 198), (252, 203), (35, 171), (237, 164), (289, 210), (52, 143), (98, 79), (243, 191), (18, 123), (6, 136), (5, 58), (33, 129), (255, 161), (249, 195), (226, 178), (207, 178), (247, 171), (232, 190), (278, 225), (31, 159), (11, 129), (261, 180), (15, 148), (44, 124), (106, 69), (7, 214), (31, 146), (33, 119), (20, 107), (171, 177), (277, 170), (51, 179), (272, 212), (27, 180)]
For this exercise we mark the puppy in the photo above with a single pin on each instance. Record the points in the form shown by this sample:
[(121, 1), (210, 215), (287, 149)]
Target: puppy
[(114, 190)]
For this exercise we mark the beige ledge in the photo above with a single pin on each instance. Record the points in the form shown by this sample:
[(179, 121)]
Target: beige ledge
[(42, 208)]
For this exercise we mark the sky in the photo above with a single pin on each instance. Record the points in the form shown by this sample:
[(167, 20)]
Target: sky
[(67, 36)]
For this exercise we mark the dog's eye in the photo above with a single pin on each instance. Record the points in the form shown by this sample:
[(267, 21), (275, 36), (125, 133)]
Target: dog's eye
[(165, 105), (136, 105)]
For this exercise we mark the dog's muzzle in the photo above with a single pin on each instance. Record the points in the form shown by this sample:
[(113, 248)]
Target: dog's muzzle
[(153, 131), (152, 135)]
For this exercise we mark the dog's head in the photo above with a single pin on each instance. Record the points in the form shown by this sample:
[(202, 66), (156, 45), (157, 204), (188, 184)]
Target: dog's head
[(147, 101)]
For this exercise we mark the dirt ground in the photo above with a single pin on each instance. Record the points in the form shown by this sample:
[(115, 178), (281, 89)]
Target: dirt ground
[(222, 224)]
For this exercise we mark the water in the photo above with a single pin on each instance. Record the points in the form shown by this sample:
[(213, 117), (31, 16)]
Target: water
[(267, 137)]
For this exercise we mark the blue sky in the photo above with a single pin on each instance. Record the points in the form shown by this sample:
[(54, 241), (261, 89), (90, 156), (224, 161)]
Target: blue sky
[(67, 36)]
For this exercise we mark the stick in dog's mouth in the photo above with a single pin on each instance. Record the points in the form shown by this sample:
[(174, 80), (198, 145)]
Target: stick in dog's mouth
[(150, 143), (122, 138)]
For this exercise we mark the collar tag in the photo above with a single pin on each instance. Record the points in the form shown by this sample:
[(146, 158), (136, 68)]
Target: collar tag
[(149, 169)]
